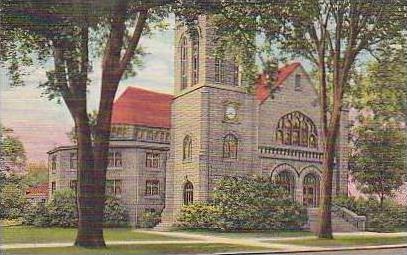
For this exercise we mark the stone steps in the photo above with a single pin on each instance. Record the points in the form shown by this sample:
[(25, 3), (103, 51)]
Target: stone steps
[(339, 224)]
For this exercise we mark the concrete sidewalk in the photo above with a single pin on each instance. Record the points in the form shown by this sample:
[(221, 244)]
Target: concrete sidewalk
[(266, 248), (65, 244)]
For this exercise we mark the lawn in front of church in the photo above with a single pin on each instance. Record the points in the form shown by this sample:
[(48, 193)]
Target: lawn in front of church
[(27, 234), (184, 248), (346, 241)]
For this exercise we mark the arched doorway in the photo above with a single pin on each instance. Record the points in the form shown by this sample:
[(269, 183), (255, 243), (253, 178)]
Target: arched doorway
[(311, 190), (286, 180), (188, 193)]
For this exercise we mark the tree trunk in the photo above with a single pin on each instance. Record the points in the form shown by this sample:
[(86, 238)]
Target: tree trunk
[(90, 224), (90, 200), (325, 226)]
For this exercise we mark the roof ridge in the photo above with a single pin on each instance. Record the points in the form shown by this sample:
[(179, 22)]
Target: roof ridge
[(147, 90)]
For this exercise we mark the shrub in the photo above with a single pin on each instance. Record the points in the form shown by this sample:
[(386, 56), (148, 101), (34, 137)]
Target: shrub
[(200, 215), (386, 218), (36, 215), (12, 201), (149, 219), (245, 204), (62, 209), (115, 214)]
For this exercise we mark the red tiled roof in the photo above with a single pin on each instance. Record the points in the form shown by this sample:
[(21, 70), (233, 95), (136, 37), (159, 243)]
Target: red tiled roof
[(263, 90), (142, 107), (40, 190)]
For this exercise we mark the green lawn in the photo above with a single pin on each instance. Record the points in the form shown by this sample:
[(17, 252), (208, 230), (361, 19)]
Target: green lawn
[(348, 241), (24, 234), (139, 249), (253, 234)]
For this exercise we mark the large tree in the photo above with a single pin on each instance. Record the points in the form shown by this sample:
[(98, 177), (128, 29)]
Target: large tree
[(378, 158), (332, 35), (67, 32)]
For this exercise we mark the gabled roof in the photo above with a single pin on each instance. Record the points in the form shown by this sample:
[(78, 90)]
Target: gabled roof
[(262, 88), (142, 107), (40, 190)]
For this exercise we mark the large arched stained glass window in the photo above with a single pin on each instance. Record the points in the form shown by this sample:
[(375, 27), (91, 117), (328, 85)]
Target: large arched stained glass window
[(188, 193), (286, 180), (230, 144), (298, 130), (187, 148), (184, 62)]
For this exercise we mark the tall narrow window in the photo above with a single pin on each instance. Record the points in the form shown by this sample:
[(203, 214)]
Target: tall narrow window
[(187, 148), (236, 75), (230, 144), (73, 160), (53, 187), (54, 163), (195, 61), (219, 70), (188, 193), (184, 62), (297, 84), (73, 185)]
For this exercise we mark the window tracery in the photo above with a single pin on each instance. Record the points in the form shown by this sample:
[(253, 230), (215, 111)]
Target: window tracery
[(298, 130)]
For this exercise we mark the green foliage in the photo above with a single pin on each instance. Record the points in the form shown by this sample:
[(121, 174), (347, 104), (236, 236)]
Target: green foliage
[(11, 150), (245, 204), (382, 88), (12, 201), (149, 219), (200, 215), (378, 158), (62, 209), (382, 218), (115, 214), (36, 215)]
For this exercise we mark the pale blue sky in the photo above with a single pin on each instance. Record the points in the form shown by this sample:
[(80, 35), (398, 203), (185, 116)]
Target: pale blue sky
[(42, 124)]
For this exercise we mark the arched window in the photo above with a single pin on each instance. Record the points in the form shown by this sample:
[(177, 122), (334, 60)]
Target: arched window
[(298, 130), (311, 190), (187, 148), (184, 62), (195, 60), (230, 144), (188, 193), (286, 180)]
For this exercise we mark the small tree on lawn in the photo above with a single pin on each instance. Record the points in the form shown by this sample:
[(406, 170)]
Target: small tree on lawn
[(378, 159)]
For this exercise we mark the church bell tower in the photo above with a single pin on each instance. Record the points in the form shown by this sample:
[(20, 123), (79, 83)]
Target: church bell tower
[(213, 119)]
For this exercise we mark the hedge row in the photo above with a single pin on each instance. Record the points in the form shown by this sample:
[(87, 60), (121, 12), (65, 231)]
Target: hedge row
[(61, 211), (245, 204)]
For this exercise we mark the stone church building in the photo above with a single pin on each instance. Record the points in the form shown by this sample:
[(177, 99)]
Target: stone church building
[(169, 150)]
